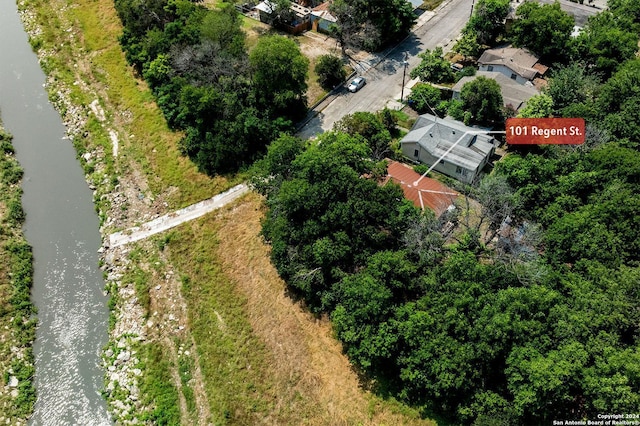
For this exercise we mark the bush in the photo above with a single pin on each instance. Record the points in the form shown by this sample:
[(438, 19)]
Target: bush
[(465, 72), (330, 71), (455, 110)]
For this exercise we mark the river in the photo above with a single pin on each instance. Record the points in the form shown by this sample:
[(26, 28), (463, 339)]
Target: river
[(63, 229)]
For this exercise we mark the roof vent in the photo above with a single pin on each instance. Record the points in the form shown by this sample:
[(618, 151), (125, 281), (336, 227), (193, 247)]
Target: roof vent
[(454, 132)]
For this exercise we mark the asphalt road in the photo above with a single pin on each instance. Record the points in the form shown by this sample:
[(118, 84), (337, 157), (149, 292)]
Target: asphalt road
[(384, 79)]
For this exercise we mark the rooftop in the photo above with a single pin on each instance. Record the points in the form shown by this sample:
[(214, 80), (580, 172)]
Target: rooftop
[(468, 146), (322, 11), (520, 61), (428, 193)]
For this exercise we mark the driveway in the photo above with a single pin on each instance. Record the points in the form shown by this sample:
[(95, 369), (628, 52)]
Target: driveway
[(384, 71)]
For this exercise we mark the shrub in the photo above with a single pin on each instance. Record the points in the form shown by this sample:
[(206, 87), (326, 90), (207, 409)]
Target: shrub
[(330, 71)]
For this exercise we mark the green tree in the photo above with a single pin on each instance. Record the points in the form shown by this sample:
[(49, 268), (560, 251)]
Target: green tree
[(371, 24), (482, 98), (618, 102), (276, 166), (433, 67), (326, 220), (389, 120), (367, 301), (570, 85), (223, 27), (370, 128), (625, 8), (467, 45), (538, 106), (425, 98), (279, 73), (545, 29), (330, 71), (606, 42), (487, 22), (543, 383)]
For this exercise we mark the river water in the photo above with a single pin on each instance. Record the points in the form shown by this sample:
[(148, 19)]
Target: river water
[(62, 227)]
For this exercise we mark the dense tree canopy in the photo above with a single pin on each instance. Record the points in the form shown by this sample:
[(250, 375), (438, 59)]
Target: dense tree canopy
[(545, 29), (487, 22), (619, 100), (371, 24), (607, 41), (325, 220), (279, 73), (570, 86), (230, 105), (494, 326), (628, 8)]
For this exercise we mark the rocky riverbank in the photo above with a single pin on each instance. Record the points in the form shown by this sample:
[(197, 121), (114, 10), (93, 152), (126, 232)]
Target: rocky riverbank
[(120, 201), (17, 328)]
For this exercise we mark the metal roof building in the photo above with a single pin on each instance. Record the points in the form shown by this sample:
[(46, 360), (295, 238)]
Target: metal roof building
[(459, 151)]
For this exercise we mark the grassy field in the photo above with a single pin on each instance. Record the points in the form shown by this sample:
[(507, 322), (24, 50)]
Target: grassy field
[(266, 359), (225, 345), (17, 328)]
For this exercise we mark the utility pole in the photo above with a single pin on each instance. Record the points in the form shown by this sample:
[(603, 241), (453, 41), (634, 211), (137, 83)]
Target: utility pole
[(405, 63), (471, 14)]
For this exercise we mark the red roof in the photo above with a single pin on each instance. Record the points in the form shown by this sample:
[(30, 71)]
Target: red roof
[(428, 193), (323, 6)]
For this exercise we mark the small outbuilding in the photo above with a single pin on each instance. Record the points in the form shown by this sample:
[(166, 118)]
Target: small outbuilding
[(301, 16), (322, 19), (422, 192)]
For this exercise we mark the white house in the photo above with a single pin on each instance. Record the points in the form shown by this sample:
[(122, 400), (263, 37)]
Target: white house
[(517, 64), (467, 151)]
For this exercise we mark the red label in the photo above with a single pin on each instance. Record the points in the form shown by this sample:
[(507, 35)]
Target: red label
[(544, 131)]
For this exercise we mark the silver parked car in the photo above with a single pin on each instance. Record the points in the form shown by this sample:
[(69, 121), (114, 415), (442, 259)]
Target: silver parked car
[(356, 84)]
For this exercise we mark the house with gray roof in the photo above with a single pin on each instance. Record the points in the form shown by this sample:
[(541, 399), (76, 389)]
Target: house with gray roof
[(514, 95), (516, 63), (458, 151)]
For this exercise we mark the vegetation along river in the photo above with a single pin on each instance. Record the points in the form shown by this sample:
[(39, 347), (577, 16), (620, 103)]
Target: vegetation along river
[(63, 229)]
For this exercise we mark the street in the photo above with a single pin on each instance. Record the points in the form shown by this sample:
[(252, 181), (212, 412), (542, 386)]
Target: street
[(384, 79)]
